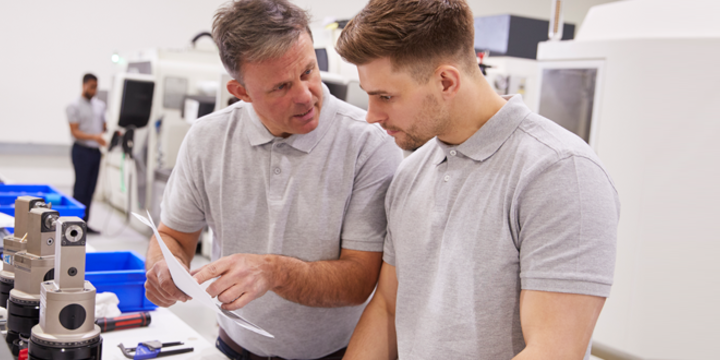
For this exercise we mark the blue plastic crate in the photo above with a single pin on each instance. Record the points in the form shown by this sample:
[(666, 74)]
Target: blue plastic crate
[(65, 205), (122, 273)]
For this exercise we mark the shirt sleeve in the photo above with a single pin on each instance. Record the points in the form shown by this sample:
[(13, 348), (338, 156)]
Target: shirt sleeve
[(72, 114), (182, 207), (388, 249), (365, 223), (103, 112), (568, 217)]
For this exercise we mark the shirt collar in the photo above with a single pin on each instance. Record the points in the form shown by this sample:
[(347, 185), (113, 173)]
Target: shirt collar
[(258, 134), (486, 141)]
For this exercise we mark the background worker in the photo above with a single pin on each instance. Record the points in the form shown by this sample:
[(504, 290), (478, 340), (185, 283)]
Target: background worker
[(86, 116)]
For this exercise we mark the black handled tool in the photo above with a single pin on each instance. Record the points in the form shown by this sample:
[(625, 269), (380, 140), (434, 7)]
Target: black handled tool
[(124, 321)]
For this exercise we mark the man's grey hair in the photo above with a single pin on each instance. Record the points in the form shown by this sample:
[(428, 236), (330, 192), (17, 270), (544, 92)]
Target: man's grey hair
[(255, 30)]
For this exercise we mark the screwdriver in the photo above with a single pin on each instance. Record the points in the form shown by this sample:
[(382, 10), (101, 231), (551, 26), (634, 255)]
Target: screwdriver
[(124, 321)]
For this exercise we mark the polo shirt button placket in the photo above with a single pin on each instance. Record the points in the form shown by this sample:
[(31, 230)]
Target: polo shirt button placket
[(277, 171), (446, 178), (453, 152)]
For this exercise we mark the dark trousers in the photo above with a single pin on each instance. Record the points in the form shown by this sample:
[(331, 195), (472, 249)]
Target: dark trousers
[(233, 354), (86, 161)]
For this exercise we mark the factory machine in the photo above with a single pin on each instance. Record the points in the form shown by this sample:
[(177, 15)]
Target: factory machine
[(640, 85), (507, 49), (340, 76), (154, 99)]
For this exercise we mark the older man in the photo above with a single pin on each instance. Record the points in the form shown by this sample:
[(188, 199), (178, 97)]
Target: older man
[(292, 182), (501, 227)]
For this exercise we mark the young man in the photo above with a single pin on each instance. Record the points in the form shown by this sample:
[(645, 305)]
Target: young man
[(292, 182), (501, 228), (86, 116)]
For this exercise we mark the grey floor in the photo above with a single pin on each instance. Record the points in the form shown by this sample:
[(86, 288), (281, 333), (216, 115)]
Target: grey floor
[(56, 170)]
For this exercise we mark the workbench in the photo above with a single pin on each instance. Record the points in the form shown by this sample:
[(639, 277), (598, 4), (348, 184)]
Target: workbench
[(166, 327)]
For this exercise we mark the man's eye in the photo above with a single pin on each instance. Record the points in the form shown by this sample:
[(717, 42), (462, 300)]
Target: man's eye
[(280, 87), (308, 72), (385, 97)]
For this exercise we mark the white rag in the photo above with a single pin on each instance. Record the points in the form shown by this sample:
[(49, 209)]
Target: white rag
[(106, 305)]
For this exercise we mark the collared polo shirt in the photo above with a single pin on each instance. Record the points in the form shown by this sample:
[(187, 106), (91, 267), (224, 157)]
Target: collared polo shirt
[(522, 204), (90, 115), (306, 196)]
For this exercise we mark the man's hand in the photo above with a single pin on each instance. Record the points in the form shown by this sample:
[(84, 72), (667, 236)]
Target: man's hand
[(79, 135), (243, 278), (346, 281), (99, 139), (160, 288)]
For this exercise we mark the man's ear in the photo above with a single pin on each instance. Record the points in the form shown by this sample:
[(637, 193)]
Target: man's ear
[(238, 90), (448, 79)]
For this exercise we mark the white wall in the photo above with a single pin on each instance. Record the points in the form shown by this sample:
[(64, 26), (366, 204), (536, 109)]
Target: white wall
[(48, 45)]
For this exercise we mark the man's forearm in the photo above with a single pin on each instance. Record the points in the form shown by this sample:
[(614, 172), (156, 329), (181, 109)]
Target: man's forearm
[(555, 353), (374, 336), (332, 283), (81, 135), (154, 253)]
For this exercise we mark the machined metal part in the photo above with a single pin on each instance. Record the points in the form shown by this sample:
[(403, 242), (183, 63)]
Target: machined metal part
[(57, 304), (66, 324), (41, 227), (50, 340), (23, 205), (49, 221), (70, 239), (45, 346), (31, 270), (11, 245), (74, 233)]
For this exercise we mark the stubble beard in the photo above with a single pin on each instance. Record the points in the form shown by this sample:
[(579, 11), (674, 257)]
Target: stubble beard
[(436, 122)]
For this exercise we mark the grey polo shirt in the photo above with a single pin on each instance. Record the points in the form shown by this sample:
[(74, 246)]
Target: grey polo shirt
[(306, 196), (522, 204), (90, 115)]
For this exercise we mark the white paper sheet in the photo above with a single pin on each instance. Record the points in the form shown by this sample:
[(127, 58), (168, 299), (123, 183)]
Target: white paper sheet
[(6, 221), (187, 284)]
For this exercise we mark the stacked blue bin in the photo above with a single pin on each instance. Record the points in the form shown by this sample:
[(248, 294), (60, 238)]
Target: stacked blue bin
[(122, 272), (64, 204)]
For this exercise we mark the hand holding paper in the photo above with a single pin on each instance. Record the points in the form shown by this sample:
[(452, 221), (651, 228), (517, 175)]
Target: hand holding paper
[(239, 279), (185, 282)]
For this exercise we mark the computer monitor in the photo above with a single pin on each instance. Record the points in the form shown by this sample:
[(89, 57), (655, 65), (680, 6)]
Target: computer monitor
[(196, 106), (322, 59), (136, 103)]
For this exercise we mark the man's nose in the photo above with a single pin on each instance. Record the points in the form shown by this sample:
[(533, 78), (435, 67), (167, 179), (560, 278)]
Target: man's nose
[(374, 114), (302, 93)]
